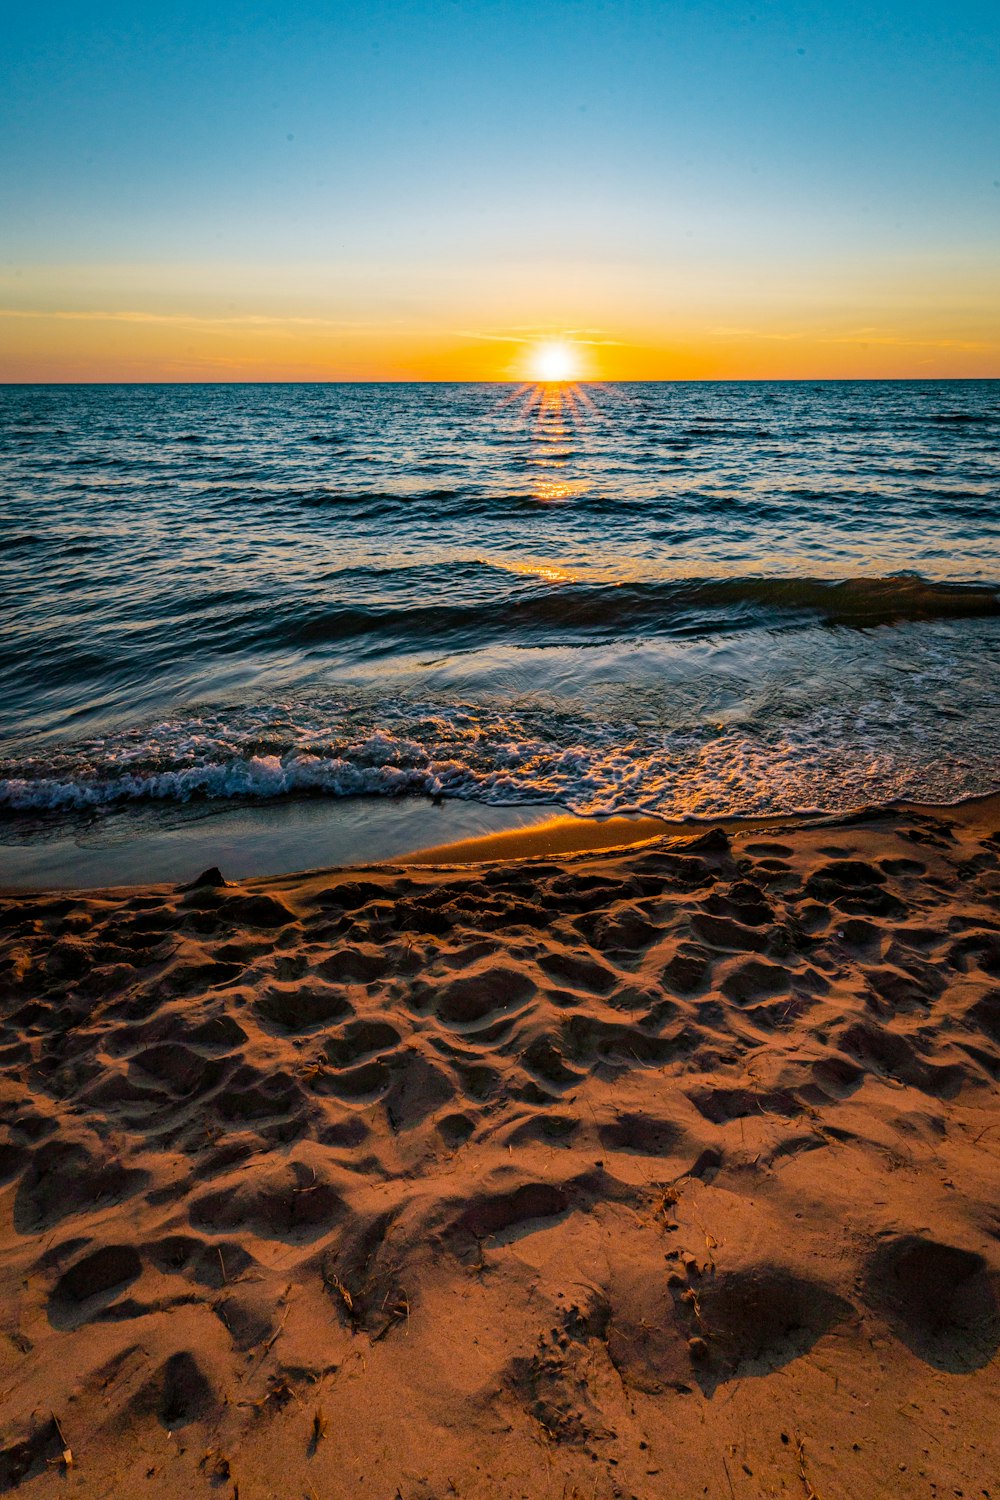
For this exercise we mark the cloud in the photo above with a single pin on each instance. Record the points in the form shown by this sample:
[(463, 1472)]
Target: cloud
[(855, 337), (529, 335), (196, 320)]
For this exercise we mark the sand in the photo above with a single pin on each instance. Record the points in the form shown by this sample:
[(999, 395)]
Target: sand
[(668, 1170)]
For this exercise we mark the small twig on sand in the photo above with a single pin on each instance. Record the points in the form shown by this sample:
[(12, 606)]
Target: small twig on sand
[(274, 1336), (266, 1348), (67, 1452), (800, 1454)]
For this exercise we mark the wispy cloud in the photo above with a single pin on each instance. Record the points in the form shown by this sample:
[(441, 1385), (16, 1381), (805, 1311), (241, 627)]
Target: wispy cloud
[(531, 335), (893, 340), (270, 322), (737, 332), (197, 320), (855, 337)]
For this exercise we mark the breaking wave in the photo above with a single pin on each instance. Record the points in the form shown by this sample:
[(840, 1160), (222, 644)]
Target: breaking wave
[(590, 763)]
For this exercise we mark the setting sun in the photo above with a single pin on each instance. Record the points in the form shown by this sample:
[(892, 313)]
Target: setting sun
[(555, 362)]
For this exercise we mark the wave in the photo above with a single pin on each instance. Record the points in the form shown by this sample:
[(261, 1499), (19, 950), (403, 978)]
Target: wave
[(860, 745), (248, 777), (859, 601), (368, 613), (561, 613), (963, 417), (18, 540)]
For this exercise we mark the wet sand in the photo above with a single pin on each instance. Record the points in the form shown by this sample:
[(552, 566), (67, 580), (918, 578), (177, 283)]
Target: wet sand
[(665, 1170)]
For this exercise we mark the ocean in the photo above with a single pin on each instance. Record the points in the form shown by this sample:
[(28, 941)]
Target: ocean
[(683, 599)]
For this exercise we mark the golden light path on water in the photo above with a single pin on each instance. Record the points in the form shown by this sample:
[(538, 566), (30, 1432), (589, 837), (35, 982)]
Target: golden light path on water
[(555, 411)]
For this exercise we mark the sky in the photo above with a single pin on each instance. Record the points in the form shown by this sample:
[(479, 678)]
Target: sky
[(430, 189)]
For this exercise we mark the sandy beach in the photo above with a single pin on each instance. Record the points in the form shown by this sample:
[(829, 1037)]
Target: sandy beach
[(659, 1171), (499, 751)]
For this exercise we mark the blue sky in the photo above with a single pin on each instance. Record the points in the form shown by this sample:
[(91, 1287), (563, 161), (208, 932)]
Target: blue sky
[(329, 157)]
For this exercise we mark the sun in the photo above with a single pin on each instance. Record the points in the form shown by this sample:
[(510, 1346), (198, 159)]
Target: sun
[(554, 362)]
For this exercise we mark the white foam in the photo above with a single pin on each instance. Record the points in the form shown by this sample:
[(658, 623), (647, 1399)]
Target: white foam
[(588, 766)]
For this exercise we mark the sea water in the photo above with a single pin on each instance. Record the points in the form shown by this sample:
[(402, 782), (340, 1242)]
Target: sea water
[(675, 598)]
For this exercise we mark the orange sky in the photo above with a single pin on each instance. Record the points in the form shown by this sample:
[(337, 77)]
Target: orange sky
[(671, 322)]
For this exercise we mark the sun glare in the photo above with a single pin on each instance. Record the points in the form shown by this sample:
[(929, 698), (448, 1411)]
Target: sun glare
[(555, 362)]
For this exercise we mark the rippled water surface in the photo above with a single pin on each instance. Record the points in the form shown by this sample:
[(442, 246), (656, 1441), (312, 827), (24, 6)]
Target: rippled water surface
[(676, 598)]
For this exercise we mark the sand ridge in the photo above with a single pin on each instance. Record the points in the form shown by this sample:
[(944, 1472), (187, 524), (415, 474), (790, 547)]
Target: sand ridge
[(666, 1171)]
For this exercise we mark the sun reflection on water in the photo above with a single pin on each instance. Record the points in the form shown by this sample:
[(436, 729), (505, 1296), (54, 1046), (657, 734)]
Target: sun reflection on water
[(557, 413), (548, 572)]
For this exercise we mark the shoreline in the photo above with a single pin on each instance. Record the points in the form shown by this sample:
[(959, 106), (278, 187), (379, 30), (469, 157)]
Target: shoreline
[(581, 835), (249, 841), (537, 832)]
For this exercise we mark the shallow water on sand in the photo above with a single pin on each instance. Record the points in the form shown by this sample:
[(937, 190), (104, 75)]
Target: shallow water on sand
[(685, 599)]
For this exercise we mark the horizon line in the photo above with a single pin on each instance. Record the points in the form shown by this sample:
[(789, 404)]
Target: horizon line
[(517, 381)]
